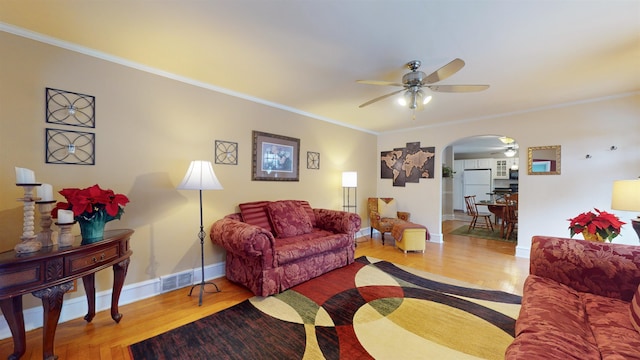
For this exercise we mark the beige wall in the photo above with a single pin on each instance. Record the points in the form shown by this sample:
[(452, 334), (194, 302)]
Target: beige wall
[(148, 129), (546, 201)]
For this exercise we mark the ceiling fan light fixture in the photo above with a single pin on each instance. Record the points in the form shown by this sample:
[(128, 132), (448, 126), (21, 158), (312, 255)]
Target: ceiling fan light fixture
[(426, 100), (510, 152)]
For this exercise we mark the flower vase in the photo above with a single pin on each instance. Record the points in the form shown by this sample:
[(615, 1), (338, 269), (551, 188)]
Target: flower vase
[(592, 237), (92, 230)]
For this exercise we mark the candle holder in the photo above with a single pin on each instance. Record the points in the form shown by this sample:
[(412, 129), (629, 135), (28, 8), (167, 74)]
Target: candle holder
[(28, 243), (66, 238), (46, 236)]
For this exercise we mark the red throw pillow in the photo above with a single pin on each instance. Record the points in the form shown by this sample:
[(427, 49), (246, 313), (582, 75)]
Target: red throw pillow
[(635, 310), (255, 213), (309, 210), (289, 218)]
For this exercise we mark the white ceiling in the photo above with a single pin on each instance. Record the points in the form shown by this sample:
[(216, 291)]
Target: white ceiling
[(305, 56)]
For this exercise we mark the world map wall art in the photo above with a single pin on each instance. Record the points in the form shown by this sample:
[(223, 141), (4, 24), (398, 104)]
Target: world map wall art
[(408, 164)]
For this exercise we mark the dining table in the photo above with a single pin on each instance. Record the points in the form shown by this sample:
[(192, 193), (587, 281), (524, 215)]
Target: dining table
[(497, 209)]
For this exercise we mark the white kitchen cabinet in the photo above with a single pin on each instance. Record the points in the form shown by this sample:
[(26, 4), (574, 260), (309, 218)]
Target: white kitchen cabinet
[(478, 163), (501, 169)]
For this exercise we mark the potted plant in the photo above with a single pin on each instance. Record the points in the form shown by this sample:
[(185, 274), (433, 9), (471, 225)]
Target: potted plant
[(447, 171), (599, 226)]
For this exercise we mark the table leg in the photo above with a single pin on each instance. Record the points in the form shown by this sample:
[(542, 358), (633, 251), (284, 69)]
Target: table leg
[(52, 305), (12, 310), (89, 282), (119, 273)]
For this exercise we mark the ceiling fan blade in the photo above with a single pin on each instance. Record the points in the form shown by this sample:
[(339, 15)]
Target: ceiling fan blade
[(458, 88), (378, 82), (380, 98), (444, 72)]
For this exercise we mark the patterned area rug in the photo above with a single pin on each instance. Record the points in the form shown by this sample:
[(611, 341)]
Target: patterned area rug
[(484, 233), (371, 309)]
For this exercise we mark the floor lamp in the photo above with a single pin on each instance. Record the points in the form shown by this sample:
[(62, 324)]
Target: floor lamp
[(200, 176), (349, 181), (626, 197)]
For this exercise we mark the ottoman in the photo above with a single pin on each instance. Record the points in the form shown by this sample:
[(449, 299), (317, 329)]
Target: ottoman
[(410, 236)]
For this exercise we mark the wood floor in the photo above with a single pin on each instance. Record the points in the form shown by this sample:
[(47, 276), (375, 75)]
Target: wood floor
[(486, 263)]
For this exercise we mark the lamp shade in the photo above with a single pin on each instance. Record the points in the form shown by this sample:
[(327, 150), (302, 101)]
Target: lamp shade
[(626, 195), (200, 176), (349, 179)]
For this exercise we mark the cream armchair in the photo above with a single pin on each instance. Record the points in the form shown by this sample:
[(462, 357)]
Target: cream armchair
[(383, 214)]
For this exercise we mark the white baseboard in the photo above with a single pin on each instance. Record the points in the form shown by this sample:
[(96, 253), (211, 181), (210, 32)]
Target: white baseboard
[(77, 307), (523, 252)]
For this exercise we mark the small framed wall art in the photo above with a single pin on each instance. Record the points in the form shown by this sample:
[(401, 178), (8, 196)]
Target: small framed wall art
[(313, 160), (226, 152), (69, 147), (70, 108), (275, 157)]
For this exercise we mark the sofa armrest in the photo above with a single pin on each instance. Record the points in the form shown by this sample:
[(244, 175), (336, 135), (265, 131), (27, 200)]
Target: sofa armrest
[(605, 269), (337, 221), (241, 238)]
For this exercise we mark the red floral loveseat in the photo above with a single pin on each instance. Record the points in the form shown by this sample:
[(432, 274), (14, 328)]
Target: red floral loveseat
[(274, 245), (580, 301)]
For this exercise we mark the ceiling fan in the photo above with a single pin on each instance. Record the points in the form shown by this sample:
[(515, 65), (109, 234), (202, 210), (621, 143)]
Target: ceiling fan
[(511, 147), (414, 81)]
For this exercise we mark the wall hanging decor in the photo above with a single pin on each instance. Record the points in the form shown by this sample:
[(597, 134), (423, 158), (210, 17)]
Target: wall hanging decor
[(313, 160), (275, 157), (226, 152), (407, 164), (70, 108), (69, 147)]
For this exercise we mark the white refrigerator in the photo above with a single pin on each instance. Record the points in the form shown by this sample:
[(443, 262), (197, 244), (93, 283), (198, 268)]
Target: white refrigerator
[(477, 182)]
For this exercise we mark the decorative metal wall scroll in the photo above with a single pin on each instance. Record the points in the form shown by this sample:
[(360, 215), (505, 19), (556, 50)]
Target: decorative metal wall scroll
[(408, 164), (69, 108), (226, 152), (70, 147), (313, 160)]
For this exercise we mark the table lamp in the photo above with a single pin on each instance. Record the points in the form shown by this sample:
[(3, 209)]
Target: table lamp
[(626, 197)]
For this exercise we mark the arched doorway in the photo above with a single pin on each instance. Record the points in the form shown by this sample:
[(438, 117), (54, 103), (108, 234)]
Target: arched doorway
[(493, 159)]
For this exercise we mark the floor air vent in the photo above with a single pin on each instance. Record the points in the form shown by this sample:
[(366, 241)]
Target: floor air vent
[(176, 281)]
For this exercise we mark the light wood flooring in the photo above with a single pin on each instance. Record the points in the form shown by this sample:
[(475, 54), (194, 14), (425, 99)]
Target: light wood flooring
[(487, 263)]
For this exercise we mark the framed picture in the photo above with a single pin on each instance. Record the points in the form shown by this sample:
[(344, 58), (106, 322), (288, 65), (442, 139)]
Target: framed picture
[(275, 157)]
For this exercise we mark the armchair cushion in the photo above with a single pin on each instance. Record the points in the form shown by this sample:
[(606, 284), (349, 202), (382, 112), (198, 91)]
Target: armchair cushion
[(387, 209), (288, 218)]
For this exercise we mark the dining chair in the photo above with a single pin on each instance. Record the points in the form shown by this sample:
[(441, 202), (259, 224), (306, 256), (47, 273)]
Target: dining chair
[(472, 210), (510, 216)]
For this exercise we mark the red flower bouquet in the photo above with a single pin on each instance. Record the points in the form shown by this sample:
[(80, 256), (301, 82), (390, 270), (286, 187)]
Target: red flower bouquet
[(89, 202), (598, 226), (92, 208)]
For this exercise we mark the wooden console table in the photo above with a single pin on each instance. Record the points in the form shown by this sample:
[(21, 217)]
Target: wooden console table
[(50, 272)]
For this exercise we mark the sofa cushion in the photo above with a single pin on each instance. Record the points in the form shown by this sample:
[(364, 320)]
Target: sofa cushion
[(318, 241), (387, 209), (255, 213), (289, 218), (309, 210), (554, 313), (634, 310), (611, 327)]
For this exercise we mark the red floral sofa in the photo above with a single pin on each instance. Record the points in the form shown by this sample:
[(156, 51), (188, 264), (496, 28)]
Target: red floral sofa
[(577, 302), (274, 245)]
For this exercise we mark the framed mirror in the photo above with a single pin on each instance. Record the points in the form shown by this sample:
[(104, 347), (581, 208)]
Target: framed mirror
[(544, 160)]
